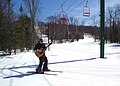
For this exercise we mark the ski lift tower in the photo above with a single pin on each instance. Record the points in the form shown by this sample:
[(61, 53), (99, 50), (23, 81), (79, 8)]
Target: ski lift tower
[(102, 27)]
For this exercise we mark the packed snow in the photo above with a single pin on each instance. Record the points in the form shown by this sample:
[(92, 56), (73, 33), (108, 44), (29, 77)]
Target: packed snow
[(74, 64)]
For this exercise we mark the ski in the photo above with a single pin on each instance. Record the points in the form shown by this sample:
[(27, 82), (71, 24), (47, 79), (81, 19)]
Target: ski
[(46, 73), (51, 74), (55, 71)]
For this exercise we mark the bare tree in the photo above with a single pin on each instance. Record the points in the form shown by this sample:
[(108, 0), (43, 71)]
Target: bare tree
[(94, 31), (113, 20), (33, 6)]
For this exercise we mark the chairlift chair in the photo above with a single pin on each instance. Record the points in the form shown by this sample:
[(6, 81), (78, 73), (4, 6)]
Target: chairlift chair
[(86, 11), (63, 18)]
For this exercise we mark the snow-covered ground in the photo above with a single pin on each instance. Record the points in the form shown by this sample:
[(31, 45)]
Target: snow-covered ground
[(79, 62)]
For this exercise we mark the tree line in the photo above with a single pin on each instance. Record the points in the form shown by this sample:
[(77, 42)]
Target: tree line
[(17, 31), (113, 24), (59, 31)]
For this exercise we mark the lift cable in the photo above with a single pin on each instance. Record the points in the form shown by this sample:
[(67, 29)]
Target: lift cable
[(76, 6), (71, 5), (60, 7)]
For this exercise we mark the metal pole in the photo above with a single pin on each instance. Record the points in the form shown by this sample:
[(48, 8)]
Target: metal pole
[(48, 36), (102, 26)]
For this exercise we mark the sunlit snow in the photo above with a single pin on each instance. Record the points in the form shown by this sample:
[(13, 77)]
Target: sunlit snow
[(76, 63)]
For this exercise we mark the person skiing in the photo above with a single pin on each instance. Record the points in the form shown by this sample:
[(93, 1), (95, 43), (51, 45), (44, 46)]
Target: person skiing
[(43, 61)]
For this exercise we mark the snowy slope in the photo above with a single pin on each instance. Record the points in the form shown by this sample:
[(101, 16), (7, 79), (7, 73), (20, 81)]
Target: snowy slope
[(79, 62)]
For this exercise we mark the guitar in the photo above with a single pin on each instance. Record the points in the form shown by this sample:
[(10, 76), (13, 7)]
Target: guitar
[(39, 52)]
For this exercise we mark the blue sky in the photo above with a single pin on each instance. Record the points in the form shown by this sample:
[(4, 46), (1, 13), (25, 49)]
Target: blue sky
[(50, 7)]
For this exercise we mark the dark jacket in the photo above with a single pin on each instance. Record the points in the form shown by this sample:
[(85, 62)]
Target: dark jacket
[(39, 46)]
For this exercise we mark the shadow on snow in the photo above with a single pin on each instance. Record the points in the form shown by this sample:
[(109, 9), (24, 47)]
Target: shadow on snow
[(73, 61), (34, 66), (20, 75)]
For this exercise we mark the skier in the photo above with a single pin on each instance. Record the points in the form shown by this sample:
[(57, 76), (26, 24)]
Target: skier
[(43, 61)]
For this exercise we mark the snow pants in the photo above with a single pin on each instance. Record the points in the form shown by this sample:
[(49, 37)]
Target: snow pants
[(43, 62)]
